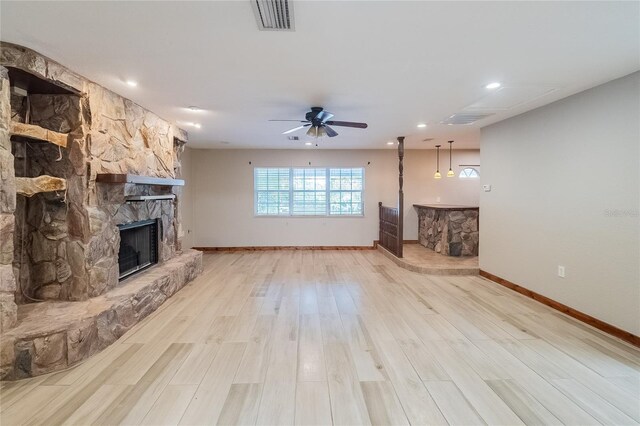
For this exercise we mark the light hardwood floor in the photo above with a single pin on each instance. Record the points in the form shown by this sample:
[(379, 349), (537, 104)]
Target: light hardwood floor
[(343, 337)]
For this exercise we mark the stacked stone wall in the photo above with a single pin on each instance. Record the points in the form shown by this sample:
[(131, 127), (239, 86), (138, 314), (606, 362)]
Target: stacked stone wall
[(8, 308), (452, 233)]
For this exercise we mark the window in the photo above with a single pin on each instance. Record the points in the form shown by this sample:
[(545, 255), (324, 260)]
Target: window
[(469, 173), (308, 191), (272, 191), (345, 191)]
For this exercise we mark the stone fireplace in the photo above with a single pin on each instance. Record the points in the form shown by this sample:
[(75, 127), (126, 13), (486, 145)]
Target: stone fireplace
[(81, 168)]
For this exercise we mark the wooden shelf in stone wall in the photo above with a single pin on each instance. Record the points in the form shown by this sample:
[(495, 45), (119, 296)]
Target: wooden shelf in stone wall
[(32, 131), (122, 178), (30, 186)]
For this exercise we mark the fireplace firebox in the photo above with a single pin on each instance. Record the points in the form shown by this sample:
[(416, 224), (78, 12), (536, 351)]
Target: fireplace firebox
[(138, 246)]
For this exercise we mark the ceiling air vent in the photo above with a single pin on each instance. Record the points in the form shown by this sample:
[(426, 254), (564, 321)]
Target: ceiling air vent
[(465, 118), (273, 15)]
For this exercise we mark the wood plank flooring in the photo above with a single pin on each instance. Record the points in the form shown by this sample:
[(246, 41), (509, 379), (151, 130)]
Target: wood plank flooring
[(345, 338)]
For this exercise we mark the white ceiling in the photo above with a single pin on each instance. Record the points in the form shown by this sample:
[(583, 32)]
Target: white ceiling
[(391, 64)]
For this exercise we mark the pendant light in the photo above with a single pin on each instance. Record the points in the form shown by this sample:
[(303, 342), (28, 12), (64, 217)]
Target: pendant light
[(437, 175), (450, 172)]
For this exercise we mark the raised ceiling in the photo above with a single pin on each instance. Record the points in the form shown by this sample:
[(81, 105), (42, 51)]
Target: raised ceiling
[(392, 64)]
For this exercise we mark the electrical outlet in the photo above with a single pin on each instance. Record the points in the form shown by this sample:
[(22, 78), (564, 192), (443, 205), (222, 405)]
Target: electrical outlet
[(561, 271), (486, 188), (437, 199)]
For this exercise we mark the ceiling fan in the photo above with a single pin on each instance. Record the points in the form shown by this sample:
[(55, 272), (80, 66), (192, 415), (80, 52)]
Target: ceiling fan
[(318, 121)]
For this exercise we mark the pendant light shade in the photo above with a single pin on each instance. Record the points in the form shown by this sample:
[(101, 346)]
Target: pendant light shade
[(437, 175), (450, 172)]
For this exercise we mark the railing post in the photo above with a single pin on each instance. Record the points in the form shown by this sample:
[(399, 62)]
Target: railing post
[(380, 224), (400, 195)]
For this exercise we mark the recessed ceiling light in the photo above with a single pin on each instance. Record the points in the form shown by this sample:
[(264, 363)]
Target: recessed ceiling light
[(194, 108), (390, 143), (422, 125), (493, 85), (132, 83), (308, 143)]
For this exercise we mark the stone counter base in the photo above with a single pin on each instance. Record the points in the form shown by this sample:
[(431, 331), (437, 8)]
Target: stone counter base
[(52, 336), (450, 232)]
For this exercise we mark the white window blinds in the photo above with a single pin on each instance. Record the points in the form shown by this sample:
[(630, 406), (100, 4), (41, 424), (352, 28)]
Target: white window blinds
[(309, 191), (272, 191)]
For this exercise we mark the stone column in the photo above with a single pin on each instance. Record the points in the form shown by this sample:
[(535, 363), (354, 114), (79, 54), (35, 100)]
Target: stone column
[(8, 308), (179, 141)]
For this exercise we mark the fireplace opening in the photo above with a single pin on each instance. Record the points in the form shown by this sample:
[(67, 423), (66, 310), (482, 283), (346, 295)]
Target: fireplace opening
[(138, 246)]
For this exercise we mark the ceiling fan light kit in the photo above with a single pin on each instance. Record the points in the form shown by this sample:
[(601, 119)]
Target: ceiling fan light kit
[(318, 121), (317, 132)]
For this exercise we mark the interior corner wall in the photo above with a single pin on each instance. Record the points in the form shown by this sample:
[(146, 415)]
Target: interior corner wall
[(223, 210), (187, 197), (566, 191)]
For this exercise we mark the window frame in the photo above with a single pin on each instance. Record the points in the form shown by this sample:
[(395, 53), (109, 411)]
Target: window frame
[(327, 192), (303, 191), (340, 191), (477, 172)]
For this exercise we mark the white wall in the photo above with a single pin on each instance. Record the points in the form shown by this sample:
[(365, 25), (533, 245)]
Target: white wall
[(566, 191), (222, 184)]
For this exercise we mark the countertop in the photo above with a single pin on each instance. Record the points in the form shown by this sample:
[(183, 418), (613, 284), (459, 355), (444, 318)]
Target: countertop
[(445, 207)]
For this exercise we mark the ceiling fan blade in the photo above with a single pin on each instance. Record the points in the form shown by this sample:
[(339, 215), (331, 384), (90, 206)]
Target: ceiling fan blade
[(324, 116), (297, 121), (295, 129), (347, 124), (330, 132)]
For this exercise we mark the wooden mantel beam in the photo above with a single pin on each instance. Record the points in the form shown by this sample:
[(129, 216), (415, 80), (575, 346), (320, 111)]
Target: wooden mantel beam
[(30, 186)]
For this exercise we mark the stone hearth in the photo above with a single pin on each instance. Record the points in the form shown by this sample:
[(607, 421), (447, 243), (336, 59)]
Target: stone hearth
[(52, 336), (59, 225)]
